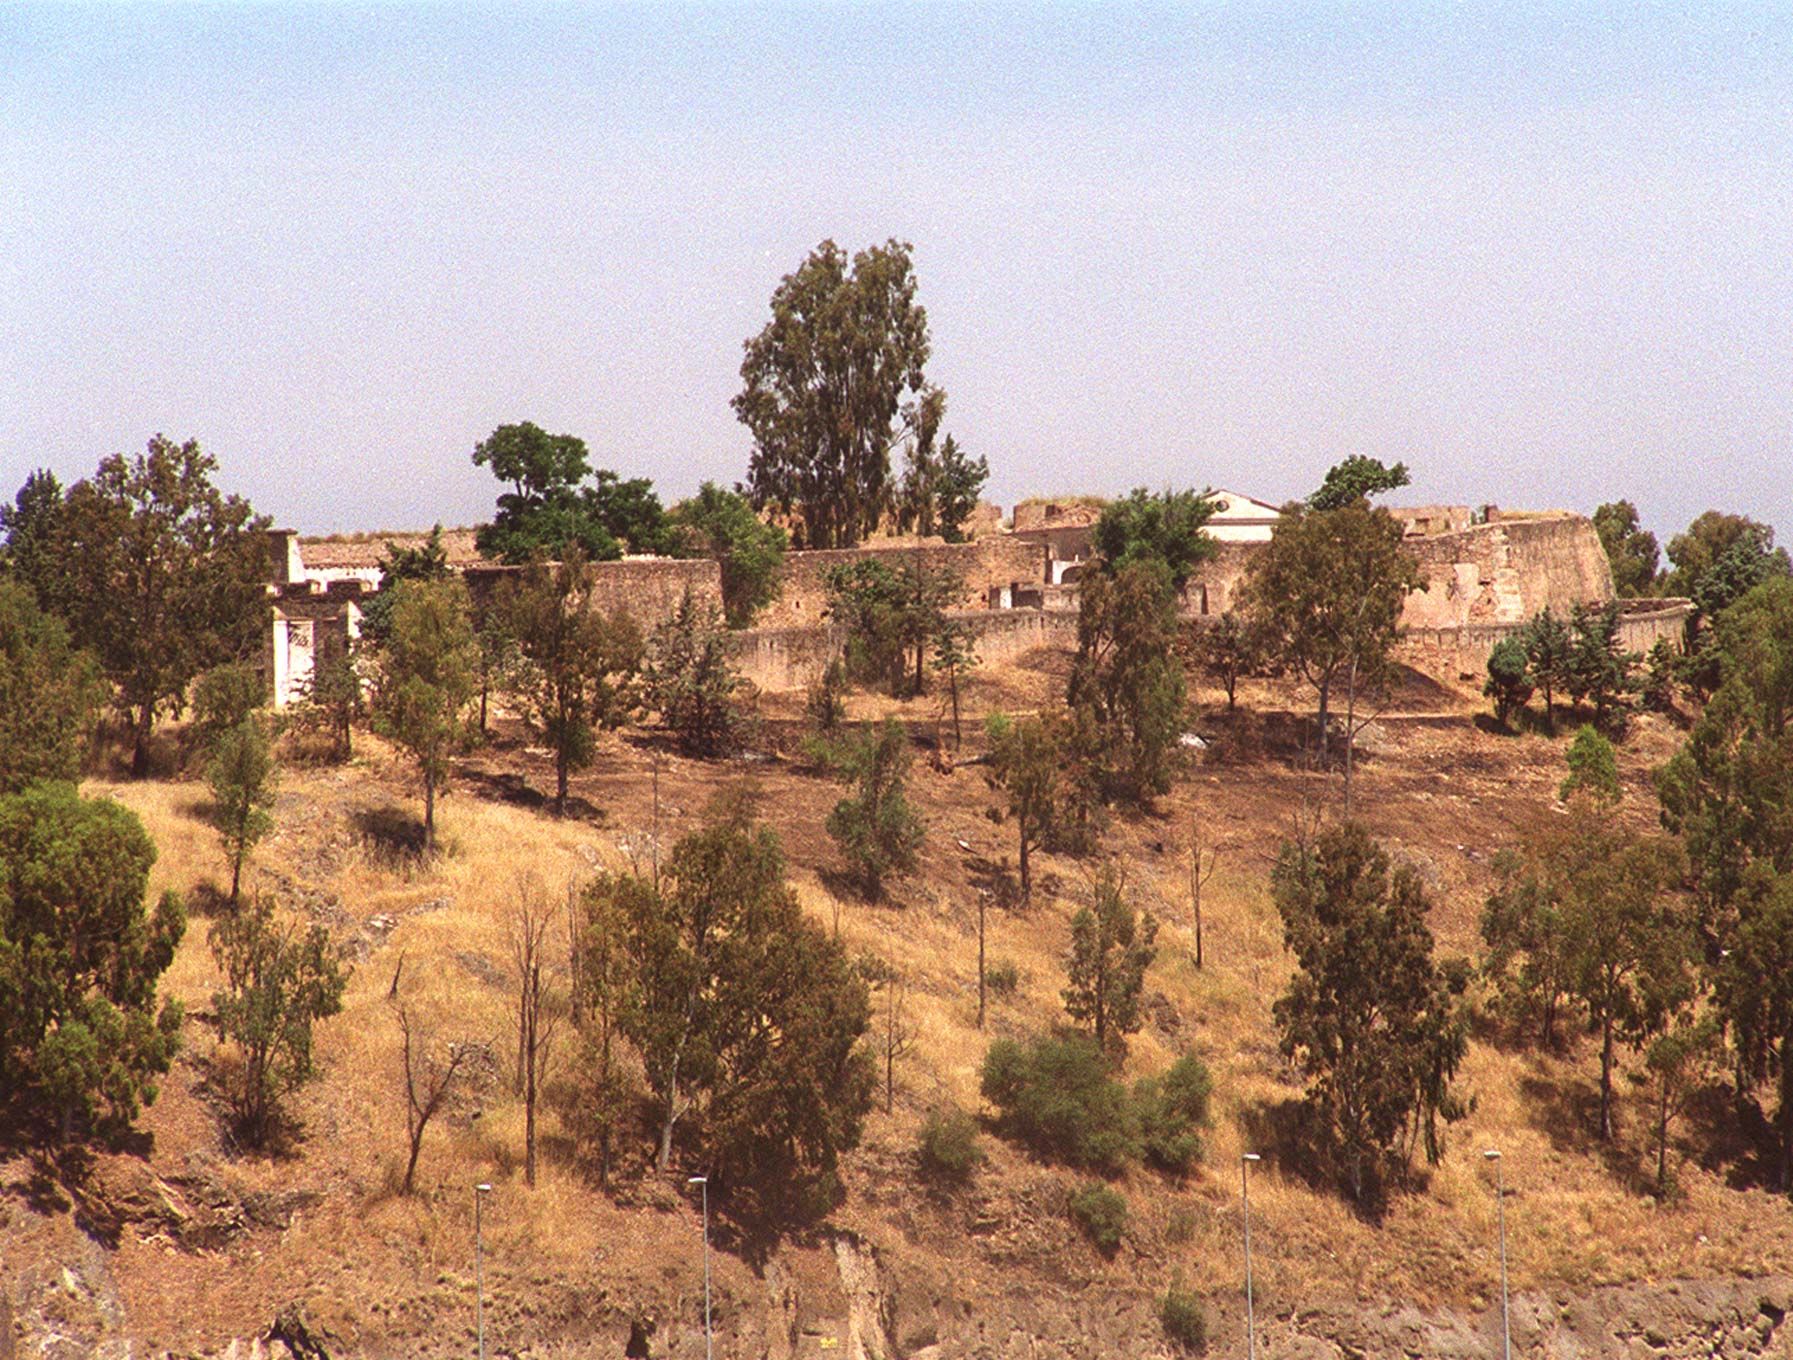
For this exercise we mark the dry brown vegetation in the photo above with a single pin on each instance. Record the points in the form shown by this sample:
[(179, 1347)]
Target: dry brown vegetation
[(379, 1266)]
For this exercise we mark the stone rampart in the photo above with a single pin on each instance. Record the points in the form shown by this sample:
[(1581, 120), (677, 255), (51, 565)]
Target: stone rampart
[(782, 660), (1507, 571), (998, 560), (648, 588)]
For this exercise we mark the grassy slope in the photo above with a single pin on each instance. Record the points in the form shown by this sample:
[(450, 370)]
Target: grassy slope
[(1440, 792)]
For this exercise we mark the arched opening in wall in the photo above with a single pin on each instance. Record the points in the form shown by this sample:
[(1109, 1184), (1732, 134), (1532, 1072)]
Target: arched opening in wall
[(1201, 599)]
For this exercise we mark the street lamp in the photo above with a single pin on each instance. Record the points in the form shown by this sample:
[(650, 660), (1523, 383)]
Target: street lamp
[(1500, 1199), (709, 1342), (1251, 1337), (480, 1192)]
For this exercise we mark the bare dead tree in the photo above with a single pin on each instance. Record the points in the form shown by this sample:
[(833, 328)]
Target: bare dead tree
[(428, 1077), (1198, 878), (896, 1037), (532, 919)]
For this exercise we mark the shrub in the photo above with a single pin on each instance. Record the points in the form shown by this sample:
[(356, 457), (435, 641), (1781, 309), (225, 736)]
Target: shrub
[(948, 1147), (223, 698), (1172, 1111), (1593, 767), (1003, 979), (1102, 1214), (1185, 1321), (826, 702), (1180, 1226), (1055, 1095)]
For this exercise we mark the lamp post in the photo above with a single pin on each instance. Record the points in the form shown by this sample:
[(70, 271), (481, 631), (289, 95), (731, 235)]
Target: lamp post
[(709, 1340), (1251, 1336), (480, 1192), (1500, 1199)]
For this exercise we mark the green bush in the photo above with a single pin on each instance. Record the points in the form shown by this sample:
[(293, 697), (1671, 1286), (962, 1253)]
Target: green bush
[(1003, 979), (1180, 1226), (1185, 1321), (1102, 1214), (948, 1147), (1055, 1094), (1172, 1111)]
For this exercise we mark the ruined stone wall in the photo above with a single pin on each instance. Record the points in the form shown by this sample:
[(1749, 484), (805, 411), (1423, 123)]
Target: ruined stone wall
[(1507, 571), (1461, 652), (647, 588), (998, 560), (783, 660)]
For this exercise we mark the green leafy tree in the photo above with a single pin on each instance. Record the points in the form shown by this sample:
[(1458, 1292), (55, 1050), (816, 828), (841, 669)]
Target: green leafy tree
[(1600, 670), (750, 553), (1371, 1019), (279, 981), (1754, 995), (954, 656), (892, 616), (1630, 548), (544, 513), (877, 828), (1728, 792), (240, 774), (577, 668), (336, 695), (1166, 527), (427, 681), (1057, 1095), (1585, 905), (1509, 681), (35, 551), (1355, 480), (1683, 1059), (1659, 677), (168, 578), (1327, 590), (606, 992), (823, 387), (691, 682), (940, 486), (50, 693), (81, 1032), (425, 561), (958, 483), (748, 1022), (1709, 538), (1126, 687), (223, 698), (1549, 649), (1027, 764), (1111, 947), (1228, 650), (1527, 958)]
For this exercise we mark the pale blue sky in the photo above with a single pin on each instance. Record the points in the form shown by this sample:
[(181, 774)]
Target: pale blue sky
[(1544, 254)]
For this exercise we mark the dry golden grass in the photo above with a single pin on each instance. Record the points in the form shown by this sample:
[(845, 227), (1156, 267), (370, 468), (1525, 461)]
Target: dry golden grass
[(1575, 1214)]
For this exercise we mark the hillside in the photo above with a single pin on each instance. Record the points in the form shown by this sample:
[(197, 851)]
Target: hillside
[(182, 1244)]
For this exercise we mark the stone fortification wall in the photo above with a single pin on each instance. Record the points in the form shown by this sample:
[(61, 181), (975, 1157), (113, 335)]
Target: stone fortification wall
[(782, 660), (1507, 571), (648, 588), (1214, 586), (1462, 651), (999, 560)]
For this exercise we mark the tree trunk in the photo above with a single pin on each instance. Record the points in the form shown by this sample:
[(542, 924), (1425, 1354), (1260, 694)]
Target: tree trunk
[(1662, 1140), (982, 906), (663, 1158), (236, 877), (429, 813), (529, 1097), (1325, 693), (1606, 1041), (1026, 868), (958, 737), (560, 783), (1350, 732), (145, 721), (411, 1162)]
